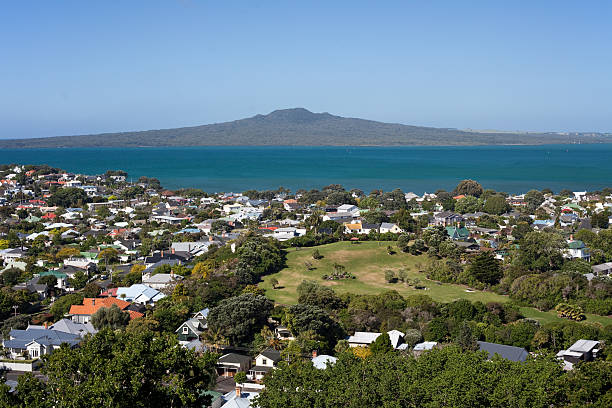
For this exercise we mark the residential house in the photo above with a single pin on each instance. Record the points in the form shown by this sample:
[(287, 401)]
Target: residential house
[(264, 362), (68, 326), (160, 280), (202, 315), (393, 228), (237, 398), (320, 362), (582, 350), (229, 364), (348, 208), (34, 342), (577, 250), (283, 333), (82, 313), (508, 352), (364, 339), (446, 218), (458, 234), (420, 348), (189, 330), (604, 269), (139, 293)]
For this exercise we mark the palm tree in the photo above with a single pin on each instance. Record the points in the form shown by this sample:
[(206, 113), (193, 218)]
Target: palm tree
[(315, 220), (215, 339)]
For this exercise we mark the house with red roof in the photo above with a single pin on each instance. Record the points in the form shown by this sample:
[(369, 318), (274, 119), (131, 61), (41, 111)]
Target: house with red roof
[(82, 313)]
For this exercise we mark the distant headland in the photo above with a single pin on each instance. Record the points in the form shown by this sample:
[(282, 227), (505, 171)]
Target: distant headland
[(301, 127)]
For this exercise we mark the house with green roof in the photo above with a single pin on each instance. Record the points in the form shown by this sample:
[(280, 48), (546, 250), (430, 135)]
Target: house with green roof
[(62, 278), (458, 234), (577, 250)]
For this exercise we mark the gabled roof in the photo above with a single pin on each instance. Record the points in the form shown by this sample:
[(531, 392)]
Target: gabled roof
[(508, 352), (363, 337), (271, 354), (234, 358), (46, 337), (194, 325), (68, 326)]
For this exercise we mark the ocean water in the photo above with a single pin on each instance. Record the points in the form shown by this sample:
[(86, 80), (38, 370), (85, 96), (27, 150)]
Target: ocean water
[(419, 169)]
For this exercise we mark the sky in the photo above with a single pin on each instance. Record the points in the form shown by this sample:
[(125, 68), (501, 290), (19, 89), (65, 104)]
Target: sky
[(80, 67)]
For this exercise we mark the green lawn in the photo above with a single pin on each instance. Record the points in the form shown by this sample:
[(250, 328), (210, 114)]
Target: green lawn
[(368, 262)]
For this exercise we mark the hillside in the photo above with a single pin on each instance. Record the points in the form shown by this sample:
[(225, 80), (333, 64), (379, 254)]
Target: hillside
[(301, 127)]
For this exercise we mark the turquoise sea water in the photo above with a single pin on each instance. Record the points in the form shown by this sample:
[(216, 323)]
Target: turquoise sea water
[(419, 169)]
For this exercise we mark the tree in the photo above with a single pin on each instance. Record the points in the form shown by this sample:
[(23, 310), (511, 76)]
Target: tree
[(49, 280), (389, 276), (533, 198), (151, 369), (79, 280), (496, 205), (465, 337), (240, 377), (68, 197), (312, 320), (468, 188), (91, 290), (240, 317), (109, 255), (311, 293), (467, 204), (103, 213), (316, 255), (541, 251), (402, 242), (382, 344), (110, 317), (67, 252), (10, 276), (485, 268), (274, 283), (62, 305)]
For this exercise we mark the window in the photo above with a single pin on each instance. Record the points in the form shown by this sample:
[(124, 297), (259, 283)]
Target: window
[(264, 361), (185, 330)]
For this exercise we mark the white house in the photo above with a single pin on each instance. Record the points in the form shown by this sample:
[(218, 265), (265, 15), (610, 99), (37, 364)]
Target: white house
[(264, 362), (390, 227), (349, 208)]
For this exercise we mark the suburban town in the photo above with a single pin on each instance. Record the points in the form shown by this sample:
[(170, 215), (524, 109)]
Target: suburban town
[(115, 291)]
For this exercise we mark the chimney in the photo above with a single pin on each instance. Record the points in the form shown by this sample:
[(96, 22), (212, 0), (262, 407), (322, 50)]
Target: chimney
[(172, 251), (314, 353), (46, 325), (571, 237), (210, 238), (238, 392), (162, 254), (93, 301)]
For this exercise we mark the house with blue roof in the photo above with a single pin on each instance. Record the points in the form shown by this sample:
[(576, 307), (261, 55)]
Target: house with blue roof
[(35, 342)]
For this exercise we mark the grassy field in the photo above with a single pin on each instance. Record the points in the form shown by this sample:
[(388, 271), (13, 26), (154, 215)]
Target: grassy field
[(368, 261)]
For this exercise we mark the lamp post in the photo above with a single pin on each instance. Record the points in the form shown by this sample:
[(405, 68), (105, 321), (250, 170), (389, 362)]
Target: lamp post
[(15, 307)]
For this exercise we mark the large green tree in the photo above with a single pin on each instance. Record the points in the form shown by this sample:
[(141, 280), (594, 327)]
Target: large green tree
[(485, 268), (239, 318), (120, 369)]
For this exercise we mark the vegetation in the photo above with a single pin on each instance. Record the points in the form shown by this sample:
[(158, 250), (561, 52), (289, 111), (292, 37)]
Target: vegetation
[(288, 127)]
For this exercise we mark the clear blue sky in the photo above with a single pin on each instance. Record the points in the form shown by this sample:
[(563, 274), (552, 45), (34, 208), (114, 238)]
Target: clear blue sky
[(74, 67)]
